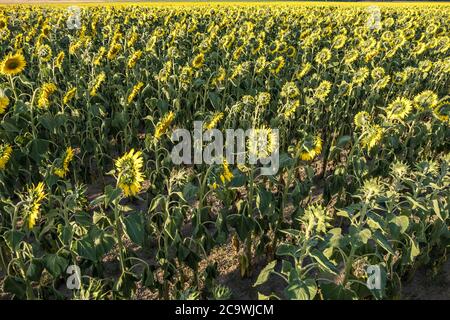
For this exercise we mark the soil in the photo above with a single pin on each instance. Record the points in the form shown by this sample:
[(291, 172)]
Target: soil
[(423, 286)]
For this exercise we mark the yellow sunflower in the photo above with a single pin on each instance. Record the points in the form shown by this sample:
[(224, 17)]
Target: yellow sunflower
[(13, 64), (362, 119), (4, 102), (398, 109), (129, 172), (5, 154), (372, 135), (310, 148)]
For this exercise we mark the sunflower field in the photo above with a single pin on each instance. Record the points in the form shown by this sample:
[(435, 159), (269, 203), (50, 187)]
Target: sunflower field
[(92, 207)]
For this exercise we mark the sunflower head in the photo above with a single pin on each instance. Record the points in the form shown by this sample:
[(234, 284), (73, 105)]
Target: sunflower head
[(13, 64), (372, 135), (442, 111), (129, 173), (310, 147), (425, 100), (398, 109), (362, 119)]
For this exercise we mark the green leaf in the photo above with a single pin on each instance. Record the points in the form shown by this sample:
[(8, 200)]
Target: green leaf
[(383, 242), (134, 227), (402, 222), (326, 264), (332, 291), (301, 290), (13, 238), (55, 264), (16, 286), (265, 273)]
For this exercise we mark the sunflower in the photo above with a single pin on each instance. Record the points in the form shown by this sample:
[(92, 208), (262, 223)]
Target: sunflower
[(44, 52), (97, 83), (198, 61), (399, 169), (339, 41), (135, 91), (323, 56), (290, 90), (371, 136), (98, 58), (68, 156), (3, 22), (70, 94), (398, 109), (290, 109), (226, 175), (291, 52), (426, 100), (262, 142), (163, 125), (5, 154), (382, 83), (425, 66), (303, 71), (362, 119), (310, 148), (351, 56), (323, 90), (276, 65), (44, 96), (263, 99), (33, 200), (13, 64), (442, 111), (4, 102), (372, 188), (59, 60), (129, 173), (360, 76), (260, 64), (220, 77), (214, 121), (134, 58), (114, 51), (377, 73)]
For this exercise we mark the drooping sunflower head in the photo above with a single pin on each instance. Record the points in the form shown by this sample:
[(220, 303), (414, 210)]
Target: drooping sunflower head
[(263, 99), (44, 52), (426, 100), (398, 109), (46, 91), (290, 90), (362, 119), (372, 135), (310, 147), (33, 200), (4, 102), (323, 90), (214, 121), (442, 111), (13, 64), (360, 76), (5, 154), (226, 174), (129, 173), (163, 125), (3, 22)]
